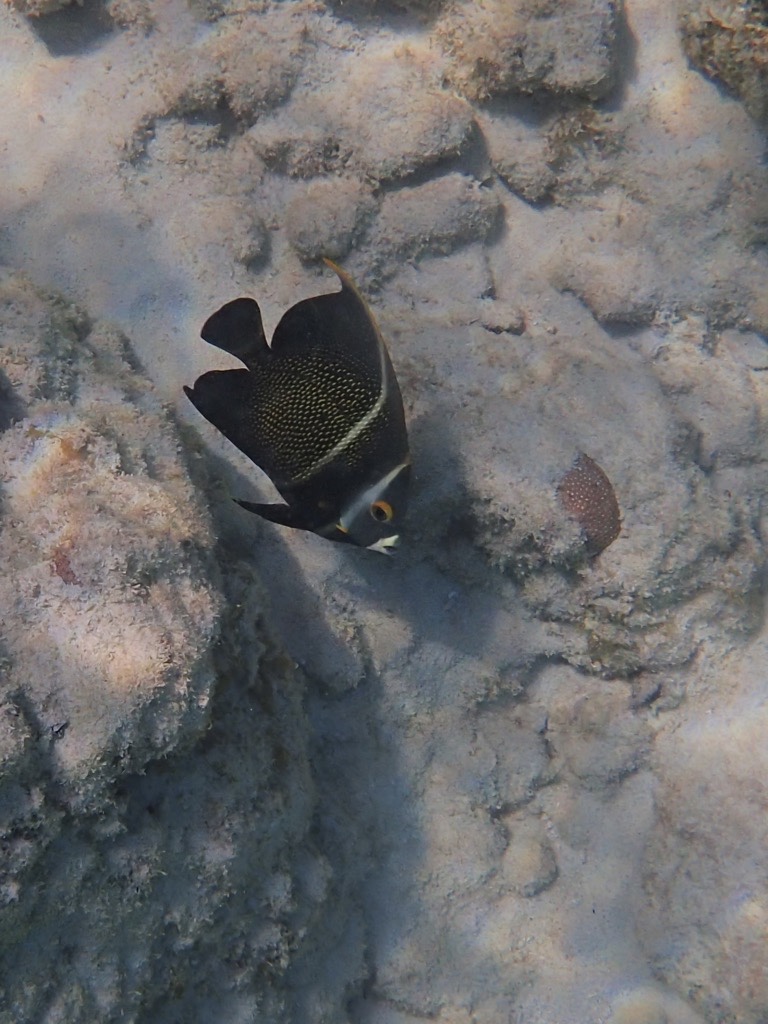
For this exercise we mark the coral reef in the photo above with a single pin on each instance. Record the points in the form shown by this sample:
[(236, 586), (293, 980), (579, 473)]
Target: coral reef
[(646, 603), (494, 778), (125, 828)]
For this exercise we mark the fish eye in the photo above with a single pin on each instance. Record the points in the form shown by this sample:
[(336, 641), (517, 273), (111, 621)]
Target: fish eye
[(382, 511)]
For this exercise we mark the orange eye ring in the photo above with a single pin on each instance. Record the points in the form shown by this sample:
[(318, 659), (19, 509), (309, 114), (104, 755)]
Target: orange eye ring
[(382, 511)]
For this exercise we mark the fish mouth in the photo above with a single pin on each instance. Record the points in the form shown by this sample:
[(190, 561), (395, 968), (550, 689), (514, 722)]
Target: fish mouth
[(386, 545)]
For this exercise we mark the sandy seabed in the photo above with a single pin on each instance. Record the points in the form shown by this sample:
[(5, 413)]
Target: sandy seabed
[(250, 776)]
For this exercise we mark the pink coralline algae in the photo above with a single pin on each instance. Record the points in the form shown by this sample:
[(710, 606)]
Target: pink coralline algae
[(587, 494)]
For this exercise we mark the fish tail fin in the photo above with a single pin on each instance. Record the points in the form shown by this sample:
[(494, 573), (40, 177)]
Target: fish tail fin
[(237, 328)]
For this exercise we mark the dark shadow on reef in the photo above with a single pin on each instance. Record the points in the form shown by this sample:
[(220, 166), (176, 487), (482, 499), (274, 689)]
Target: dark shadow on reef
[(11, 407), (75, 29), (419, 584)]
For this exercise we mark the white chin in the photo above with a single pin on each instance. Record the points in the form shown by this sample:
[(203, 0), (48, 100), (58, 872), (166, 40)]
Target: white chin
[(386, 545)]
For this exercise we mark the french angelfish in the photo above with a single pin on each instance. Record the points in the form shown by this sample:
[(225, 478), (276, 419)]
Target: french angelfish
[(319, 411)]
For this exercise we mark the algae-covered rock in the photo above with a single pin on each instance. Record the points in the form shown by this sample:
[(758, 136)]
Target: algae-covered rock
[(248, 64), (347, 124), (327, 216), (529, 863), (36, 8), (705, 917), (596, 738), (439, 216), (106, 572), (499, 46), (728, 41), (259, 57), (143, 839)]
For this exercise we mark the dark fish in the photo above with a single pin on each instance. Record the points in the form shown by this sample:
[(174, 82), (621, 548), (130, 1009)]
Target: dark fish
[(319, 410)]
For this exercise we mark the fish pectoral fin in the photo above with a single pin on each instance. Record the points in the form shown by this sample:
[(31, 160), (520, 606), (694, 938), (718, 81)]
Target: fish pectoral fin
[(286, 515), (283, 515)]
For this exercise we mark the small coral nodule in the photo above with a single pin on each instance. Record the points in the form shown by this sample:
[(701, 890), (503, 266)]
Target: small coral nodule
[(587, 494)]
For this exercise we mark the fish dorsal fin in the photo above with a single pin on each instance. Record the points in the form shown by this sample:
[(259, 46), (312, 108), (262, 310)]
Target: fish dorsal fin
[(335, 322), (237, 328)]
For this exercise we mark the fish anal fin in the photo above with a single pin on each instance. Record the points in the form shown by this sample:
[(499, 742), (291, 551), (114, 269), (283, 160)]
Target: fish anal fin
[(287, 515)]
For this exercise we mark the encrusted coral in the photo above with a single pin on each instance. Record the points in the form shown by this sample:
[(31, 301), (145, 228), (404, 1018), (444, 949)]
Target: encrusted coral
[(37, 8), (497, 46), (347, 124), (587, 494), (327, 215), (728, 40)]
